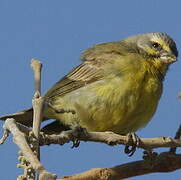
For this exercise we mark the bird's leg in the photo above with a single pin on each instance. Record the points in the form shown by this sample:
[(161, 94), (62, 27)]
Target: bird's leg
[(61, 110), (78, 131), (133, 138)]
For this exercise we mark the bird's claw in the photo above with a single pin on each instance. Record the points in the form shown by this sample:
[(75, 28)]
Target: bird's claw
[(77, 132), (132, 137), (75, 144)]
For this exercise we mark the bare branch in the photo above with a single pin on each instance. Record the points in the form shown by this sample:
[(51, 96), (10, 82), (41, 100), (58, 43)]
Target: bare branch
[(4, 136), (20, 139), (165, 162), (38, 103), (37, 66), (37, 100), (110, 139)]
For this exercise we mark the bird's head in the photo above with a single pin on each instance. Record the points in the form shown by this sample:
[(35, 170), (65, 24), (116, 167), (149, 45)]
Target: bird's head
[(158, 46)]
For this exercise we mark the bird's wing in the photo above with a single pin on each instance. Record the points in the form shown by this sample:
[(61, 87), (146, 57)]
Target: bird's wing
[(83, 74), (92, 69)]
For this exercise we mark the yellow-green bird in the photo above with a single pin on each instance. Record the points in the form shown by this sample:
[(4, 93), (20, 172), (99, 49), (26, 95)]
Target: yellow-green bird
[(116, 88)]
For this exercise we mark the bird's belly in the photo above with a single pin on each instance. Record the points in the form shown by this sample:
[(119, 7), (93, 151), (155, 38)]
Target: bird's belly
[(127, 115), (105, 108)]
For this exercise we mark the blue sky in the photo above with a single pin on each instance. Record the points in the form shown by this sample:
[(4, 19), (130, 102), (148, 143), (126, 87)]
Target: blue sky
[(56, 32)]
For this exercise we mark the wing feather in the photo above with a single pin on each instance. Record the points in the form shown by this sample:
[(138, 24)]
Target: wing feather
[(83, 74), (91, 70)]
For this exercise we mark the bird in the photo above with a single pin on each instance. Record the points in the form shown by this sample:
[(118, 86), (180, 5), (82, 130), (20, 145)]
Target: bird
[(116, 87)]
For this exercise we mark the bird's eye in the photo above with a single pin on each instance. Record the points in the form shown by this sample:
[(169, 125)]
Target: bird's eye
[(156, 46)]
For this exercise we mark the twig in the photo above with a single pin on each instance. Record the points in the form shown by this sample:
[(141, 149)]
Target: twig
[(165, 162), (19, 138), (37, 66), (177, 136), (37, 102), (4, 136)]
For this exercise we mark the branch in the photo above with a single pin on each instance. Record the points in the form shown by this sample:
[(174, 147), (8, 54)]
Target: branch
[(37, 100), (19, 138), (109, 138), (37, 66), (37, 103), (165, 162)]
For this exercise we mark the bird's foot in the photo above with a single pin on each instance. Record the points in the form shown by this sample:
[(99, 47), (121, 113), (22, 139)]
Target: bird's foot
[(78, 131), (134, 139), (75, 144)]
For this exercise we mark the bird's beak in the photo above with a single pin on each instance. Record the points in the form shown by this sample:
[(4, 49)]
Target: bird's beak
[(168, 58)]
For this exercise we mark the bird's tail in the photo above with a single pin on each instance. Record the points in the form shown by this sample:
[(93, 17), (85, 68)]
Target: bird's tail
[(24, 117)]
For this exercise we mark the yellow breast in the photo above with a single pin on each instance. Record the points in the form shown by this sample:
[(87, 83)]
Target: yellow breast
[(124, 105)]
